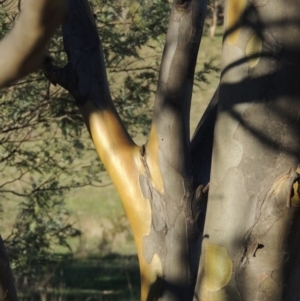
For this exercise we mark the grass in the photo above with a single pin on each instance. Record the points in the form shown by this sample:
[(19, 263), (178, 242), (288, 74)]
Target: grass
[(109, 278)]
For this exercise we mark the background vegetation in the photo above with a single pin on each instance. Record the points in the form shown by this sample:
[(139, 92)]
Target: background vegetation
[(62, 222)]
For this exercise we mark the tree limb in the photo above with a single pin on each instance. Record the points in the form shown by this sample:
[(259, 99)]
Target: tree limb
[(22, 49), (85, 78)]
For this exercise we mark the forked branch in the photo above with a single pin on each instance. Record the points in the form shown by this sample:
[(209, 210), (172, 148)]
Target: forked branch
[(155, 181)]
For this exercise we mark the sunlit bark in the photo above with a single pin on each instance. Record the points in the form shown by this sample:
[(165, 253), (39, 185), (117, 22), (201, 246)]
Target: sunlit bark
[(23, 48)]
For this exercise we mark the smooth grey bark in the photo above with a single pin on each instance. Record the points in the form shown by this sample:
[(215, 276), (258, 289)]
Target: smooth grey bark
[(250, 247), (177, 232)]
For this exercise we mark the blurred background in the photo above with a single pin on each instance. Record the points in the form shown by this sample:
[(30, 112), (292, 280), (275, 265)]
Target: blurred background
[(63, 224)]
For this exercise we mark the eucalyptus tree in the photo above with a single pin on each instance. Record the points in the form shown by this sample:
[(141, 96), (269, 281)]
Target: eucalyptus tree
[(155, 181), (250, 242)]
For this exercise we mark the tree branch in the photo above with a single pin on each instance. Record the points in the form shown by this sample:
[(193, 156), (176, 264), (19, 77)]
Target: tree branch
[(85, 78), (22, 50)]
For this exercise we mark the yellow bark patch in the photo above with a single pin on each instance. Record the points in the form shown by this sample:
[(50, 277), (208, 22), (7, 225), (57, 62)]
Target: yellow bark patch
[(253, 50), (122, 161), (150, 274), (153, 161), (295, 200), (218, 267), (215, 296), (121, 158), (235, 10)]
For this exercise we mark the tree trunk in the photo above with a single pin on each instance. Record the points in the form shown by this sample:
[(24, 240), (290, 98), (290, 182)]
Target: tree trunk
[(250, 247)]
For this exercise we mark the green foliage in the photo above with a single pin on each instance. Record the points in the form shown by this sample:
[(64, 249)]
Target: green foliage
[(208, 67), (41, 224)]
